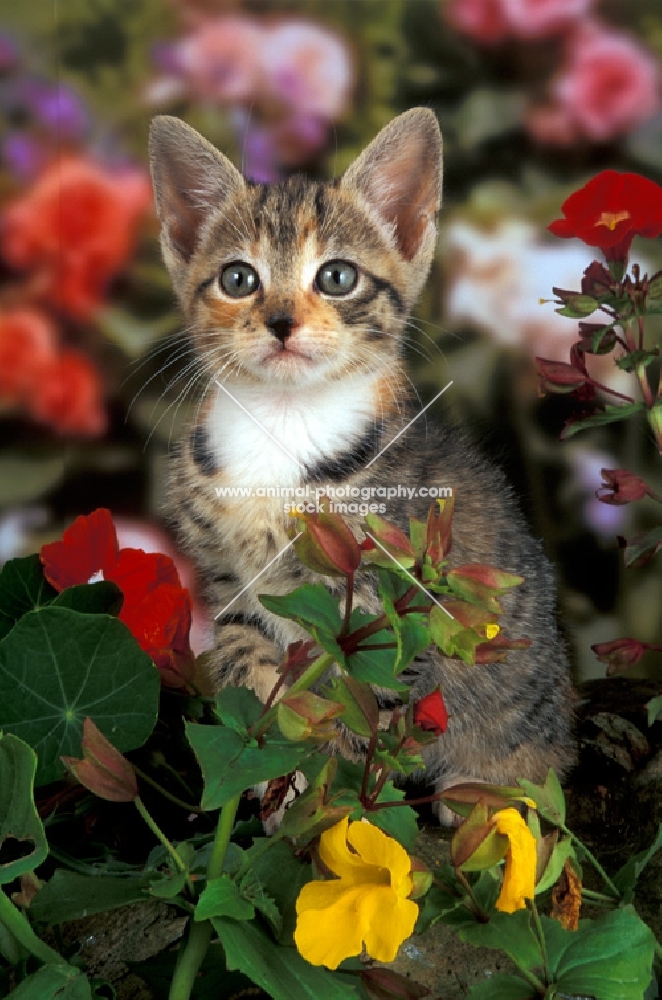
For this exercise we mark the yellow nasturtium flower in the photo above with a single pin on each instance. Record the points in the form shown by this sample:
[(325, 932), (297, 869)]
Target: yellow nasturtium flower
[(519, 878), (367, 905)]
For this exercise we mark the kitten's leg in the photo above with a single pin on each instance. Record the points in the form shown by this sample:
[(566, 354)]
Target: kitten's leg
[(243, 656)]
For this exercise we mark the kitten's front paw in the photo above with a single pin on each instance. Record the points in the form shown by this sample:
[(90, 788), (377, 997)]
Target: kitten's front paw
[(244, 658)]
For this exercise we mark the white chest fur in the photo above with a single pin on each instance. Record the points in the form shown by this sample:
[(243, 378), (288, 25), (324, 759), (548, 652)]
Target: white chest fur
[(266, 436)]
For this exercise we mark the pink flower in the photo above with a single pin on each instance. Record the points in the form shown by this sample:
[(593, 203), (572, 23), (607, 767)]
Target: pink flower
[(308, 68), (491, 21), (608, 85), (483, 20), (221, 59), (540, 18)]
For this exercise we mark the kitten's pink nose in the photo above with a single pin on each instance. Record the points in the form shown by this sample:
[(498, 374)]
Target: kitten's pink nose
[(281, 325)]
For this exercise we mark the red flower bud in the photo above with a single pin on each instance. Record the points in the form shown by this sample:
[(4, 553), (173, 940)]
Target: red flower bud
[(328, 545), (621, 487), (620, 654), (558, 376), (103, 769), (430, 713)]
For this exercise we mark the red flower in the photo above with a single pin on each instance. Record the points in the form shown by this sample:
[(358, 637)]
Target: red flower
[(621, 487), (610, 211), (68, 396), (157, 609), (76, 229), (430, 713), (28, 343)]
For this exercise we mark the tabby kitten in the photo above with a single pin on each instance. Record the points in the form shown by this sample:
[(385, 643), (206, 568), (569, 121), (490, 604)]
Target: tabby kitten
[(296, 295)]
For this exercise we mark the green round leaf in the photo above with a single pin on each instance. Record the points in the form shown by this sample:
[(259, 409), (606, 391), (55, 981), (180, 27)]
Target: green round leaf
[(58, 666), (18, 816)]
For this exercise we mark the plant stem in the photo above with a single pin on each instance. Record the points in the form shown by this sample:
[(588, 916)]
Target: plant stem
[(160, 835), (222, 838), (594, 861), (540, 934), (478, 911), (349, 597), (200, 932), (363, 797), (597, 897), (168, 795), (307, 679), (194, 951), (16, 924)]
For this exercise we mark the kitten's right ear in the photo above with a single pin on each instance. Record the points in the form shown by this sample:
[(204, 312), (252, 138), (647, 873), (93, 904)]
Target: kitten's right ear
[(191, 179)]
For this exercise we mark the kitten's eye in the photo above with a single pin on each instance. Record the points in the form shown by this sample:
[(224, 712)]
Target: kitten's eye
[(337, 277), (239, 280)]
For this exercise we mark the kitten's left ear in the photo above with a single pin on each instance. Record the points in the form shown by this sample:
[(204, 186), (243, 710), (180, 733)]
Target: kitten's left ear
[(400, 174)]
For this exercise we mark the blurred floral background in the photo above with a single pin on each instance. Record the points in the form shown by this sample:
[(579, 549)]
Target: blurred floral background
[(534, 97)]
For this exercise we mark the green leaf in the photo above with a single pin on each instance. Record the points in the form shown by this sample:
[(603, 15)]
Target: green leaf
[(101, 598), (169, 886), (635, 359), (549, 798), (54, 982), (238, 708), (23, 587), (610, 958), (230, 765), (399, 822), (654, 707), (344, 690), (310, 604), (70, 896), (434, 905), (610, 415), (579, 306), (221, 898), (277, 877), (502, 988), (57, 667), (626, 878), (376, 666), (18, 816), (641, 549), (562, 850), (280, 972), (510, 932)]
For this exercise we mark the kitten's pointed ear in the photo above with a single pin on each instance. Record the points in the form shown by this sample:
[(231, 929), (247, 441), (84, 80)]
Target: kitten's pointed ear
[(191, 179), (400, 174)]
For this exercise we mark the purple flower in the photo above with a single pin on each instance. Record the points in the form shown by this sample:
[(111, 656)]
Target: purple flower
[(58, 108), (23, 155)]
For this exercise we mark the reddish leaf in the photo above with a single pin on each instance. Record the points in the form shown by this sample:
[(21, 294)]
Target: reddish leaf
[(439, 530), (620, 654), (496, 650), (621, 487), (384, 984), (103, 769)]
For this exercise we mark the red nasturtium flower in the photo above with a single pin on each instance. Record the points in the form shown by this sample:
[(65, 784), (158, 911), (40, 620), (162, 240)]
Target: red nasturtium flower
[(157, 609), (610, 211), (430, 713), (76, 229)]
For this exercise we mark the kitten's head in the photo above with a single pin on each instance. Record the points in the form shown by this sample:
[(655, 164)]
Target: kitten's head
[(301, 281)]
